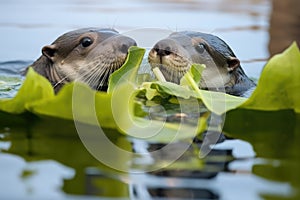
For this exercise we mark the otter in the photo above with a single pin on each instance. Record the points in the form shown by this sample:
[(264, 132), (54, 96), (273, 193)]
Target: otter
[(88, 55), (175, 54)]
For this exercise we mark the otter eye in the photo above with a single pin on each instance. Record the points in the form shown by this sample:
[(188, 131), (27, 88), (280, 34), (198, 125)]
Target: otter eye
[(200, 47), (85, 42)]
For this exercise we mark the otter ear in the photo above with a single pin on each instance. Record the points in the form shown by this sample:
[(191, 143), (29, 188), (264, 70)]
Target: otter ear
[(232, 63), (49, 51)]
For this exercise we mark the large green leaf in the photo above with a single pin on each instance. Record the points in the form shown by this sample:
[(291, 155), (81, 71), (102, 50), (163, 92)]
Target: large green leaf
[(279, 85), (270, 120), (76, 97), (216, 102), (129, 69), (278, 92), (35, 87)]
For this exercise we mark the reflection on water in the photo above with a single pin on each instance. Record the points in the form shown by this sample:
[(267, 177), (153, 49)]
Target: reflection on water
[(275, 138)]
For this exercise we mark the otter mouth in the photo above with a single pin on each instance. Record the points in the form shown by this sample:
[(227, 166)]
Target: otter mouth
[(172, 65), (173, 69), (171, 73)]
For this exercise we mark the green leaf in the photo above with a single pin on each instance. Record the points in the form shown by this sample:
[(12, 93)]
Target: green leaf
[(150, 130), (216, 102), (279, 85), (35, 87), (93, 107), (219, 102), (166, 89), (270, 120), (195, 73), (129, 70)]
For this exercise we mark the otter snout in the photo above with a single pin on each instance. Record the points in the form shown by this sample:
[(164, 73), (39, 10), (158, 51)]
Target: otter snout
[(165, 47), (170, 57), (123, 43), (117, 45)]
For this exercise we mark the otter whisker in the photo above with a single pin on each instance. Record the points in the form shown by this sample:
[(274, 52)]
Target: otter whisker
[(63, 79), (88, 70), (99, 72), (91, 78), (60, 81), (108, 71), (104, 78), (99, 78), (96, 73)]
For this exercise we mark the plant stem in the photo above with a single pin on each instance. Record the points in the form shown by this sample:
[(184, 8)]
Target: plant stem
[(158, 74), (192, 83)]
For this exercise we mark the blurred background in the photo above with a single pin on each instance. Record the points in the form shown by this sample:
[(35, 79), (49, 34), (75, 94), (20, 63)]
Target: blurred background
[(255, 29)]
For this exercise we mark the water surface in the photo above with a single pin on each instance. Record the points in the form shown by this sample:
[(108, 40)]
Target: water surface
[(27, 26)]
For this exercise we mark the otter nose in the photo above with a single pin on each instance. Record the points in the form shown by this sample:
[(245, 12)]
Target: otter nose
[(163, 52), (126, 43), (162, 49)]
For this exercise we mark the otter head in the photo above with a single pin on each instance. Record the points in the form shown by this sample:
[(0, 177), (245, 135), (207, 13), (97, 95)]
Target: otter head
[(87, 55), (175, 54)]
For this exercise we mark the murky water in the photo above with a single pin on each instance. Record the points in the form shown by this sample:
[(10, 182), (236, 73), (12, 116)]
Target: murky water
[(45, 158)]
